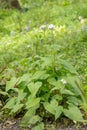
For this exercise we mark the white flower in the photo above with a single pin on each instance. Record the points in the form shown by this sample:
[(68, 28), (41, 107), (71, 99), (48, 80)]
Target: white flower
[(51, 26), (28, 46), (29, 21), (80, 17), (82, 21), (27, 28), (43, 27), (63, 81), (12, 33)]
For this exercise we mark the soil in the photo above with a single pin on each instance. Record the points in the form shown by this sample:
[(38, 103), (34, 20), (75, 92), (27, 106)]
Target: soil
[(14, 124)]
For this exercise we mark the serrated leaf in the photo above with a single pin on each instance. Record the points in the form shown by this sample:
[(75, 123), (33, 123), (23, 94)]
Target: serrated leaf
[(73, 113), (39, 127)]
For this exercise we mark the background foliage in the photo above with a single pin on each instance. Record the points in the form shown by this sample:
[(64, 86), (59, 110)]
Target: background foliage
[(43, 64)]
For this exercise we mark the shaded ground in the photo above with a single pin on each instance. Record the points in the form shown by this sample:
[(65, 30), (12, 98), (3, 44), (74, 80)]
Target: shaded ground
[(13, 124)]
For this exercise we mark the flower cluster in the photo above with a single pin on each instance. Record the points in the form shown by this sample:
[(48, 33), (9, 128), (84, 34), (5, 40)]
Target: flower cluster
[(63, 81), (50, 27)]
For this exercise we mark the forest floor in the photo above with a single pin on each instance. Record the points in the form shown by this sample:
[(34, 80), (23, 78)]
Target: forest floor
[(28, 39), (14, 124)]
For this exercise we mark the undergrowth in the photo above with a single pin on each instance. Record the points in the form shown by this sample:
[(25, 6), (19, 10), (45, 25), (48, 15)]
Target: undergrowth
[(43, 64)]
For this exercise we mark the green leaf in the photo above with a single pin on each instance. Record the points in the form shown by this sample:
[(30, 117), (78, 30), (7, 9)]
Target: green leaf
[(52, 81), (27, 117), (74, 100), (85, 88), (44, 76), (67, 92), (34, 87), (35, 119), (47, 61), (21, 95), (39, 74), (11, 84), (16, 108), (45, 96), (25, 77), (72, 85), (3, 93), (53, 108), (32, 102), (49, 108), (58, 112), (56, 83), (73, 113), (58, 97), (11, 103), (39, 127), (75, 87), (68, 66)]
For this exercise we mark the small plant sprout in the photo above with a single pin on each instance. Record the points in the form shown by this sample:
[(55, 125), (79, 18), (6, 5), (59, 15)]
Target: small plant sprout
[(51, 26), (43, 27), (63, 81)]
